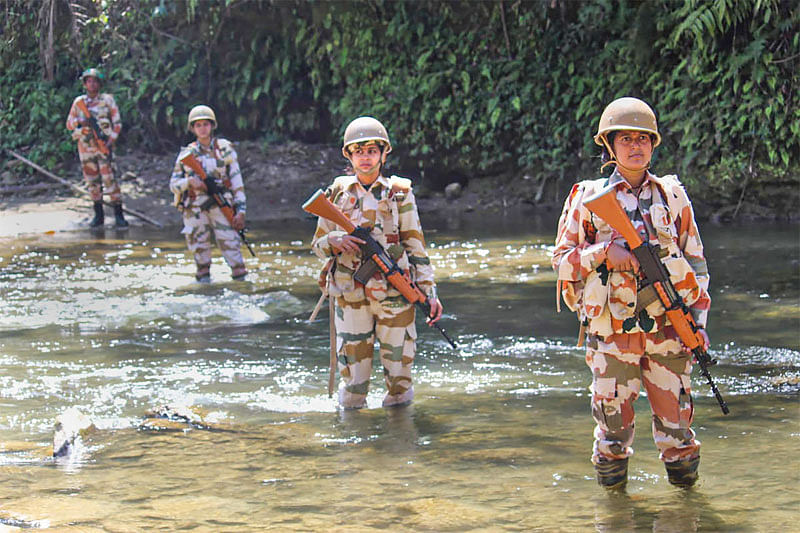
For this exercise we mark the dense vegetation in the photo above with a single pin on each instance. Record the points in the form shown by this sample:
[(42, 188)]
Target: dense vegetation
[(466, 88)]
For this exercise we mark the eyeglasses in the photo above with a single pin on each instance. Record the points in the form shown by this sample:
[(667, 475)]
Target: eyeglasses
[(628, 139)]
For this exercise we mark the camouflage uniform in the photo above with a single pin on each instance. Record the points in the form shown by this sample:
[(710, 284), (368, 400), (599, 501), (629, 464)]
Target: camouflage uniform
[(628, 346), (95, 165), (377, 310), (201, 215)]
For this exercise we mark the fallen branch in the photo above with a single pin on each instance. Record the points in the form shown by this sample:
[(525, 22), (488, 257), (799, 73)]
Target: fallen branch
[(78, 189), (24, 188)]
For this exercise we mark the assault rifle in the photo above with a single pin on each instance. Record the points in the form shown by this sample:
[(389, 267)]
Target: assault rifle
[(100, 138), (376, 259), (655, 278), (215, 193)]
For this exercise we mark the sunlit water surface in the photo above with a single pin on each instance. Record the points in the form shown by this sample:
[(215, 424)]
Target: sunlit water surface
[(499, 435)]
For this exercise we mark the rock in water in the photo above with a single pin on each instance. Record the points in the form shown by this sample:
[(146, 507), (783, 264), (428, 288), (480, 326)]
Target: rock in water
[(71, 428), (453, 191)]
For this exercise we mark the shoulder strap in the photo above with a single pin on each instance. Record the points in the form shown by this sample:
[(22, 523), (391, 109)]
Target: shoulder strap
[(673, 194), (399, 185)]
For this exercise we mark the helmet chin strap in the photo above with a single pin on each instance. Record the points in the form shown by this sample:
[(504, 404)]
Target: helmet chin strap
[(613, 160), (384, 154)]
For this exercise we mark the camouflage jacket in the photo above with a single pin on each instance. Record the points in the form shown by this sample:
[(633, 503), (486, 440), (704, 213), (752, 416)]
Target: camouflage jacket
[(389, 209), (104, 109), (221, 163), (606, 299)]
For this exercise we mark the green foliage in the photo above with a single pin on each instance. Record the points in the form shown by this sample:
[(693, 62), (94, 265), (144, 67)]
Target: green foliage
[(464, 87)]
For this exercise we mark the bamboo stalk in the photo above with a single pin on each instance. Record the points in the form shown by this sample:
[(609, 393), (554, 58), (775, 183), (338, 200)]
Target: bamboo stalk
[(80, 191)]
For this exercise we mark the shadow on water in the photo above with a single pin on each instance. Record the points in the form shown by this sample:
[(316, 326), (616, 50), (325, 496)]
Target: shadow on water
[(499, 435)]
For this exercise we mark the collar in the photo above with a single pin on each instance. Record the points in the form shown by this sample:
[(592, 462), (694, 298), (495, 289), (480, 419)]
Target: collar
[(617, 178), (353, 180), (202, 149)]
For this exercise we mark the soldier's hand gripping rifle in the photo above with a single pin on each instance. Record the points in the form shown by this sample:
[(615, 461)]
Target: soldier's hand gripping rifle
[(374, 257), (100, 138), (215, 193), (654, 277)]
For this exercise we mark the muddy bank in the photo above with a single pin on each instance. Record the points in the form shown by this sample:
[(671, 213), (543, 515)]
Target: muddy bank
[(278, 179)]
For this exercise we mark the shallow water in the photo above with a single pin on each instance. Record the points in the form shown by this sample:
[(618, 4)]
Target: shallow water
[(498, 437)]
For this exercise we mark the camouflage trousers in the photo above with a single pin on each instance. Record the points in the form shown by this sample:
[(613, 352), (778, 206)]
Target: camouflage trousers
[(198, 224), (616, 381), (98, 175), (358, 324)]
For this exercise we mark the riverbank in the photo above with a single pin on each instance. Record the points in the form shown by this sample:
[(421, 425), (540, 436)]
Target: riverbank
[(278, 179)]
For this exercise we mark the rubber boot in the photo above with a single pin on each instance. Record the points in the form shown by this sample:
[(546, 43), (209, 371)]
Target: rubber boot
[(119, 219), (99, 217), (612, 474), (683, 473), (239, 275), (203, 274)]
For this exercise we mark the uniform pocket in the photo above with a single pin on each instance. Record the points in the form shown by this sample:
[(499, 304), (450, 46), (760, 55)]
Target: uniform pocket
[(595, 294), (376, 288), (572, 292), (341, 282), (682, 276), (604, 388), (622, 295), (411, 331), (348, 203), (664, 226)]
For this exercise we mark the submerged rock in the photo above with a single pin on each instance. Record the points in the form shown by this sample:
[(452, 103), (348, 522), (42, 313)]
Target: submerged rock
[(71, 428), (179, 418)]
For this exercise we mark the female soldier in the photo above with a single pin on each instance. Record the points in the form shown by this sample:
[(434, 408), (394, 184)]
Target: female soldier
[(201, 214), (375, 310), (628, 345)]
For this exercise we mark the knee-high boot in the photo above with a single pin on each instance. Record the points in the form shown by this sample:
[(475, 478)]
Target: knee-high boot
[(119, 219), (99, 216)]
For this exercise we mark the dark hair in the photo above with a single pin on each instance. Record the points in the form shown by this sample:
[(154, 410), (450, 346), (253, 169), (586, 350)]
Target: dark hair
[(382, 145)]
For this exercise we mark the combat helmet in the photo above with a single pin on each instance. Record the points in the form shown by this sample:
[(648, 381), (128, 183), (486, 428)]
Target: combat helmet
[(365, 129), (627, 114), (92, 72), (201, 112)]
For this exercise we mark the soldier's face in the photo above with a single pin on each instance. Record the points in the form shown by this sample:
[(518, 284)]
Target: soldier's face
[(633, 149), (92, 85), (366, 159), (202, 129)]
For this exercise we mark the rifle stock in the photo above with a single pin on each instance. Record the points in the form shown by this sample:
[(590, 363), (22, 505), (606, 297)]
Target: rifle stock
[(605, 205), (216, 194), (319, 205), (99, 137), (654, 274), (372, 251)]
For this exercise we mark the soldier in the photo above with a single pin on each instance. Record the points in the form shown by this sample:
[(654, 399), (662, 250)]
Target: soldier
[(95, 150), (364, 313), (630, 345), (201, 214)]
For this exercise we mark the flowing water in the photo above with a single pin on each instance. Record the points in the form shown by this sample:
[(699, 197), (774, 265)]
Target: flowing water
[(499, 435)]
